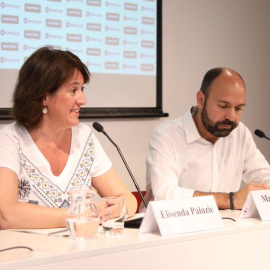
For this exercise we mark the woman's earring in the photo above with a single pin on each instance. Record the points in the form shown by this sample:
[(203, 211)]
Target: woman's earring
[(45, 110)]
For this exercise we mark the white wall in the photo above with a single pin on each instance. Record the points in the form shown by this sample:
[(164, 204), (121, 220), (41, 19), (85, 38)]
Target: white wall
[(199, 35)]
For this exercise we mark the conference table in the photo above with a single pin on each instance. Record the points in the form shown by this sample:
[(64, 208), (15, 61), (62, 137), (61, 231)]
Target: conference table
[(239, 244)]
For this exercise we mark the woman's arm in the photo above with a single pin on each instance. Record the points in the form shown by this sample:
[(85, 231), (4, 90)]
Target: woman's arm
[(14, 214), (110, 185)]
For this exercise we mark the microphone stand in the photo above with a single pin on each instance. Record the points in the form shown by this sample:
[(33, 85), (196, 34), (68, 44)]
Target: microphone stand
[(130, 173)]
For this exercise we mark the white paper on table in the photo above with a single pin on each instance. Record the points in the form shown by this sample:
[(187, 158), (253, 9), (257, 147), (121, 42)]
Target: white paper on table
[(52, 231)]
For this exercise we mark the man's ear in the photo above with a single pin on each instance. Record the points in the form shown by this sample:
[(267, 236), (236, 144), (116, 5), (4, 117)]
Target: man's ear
[(200, 99)]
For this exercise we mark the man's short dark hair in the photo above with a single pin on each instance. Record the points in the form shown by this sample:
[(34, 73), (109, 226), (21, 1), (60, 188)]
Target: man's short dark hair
[(210, 76)]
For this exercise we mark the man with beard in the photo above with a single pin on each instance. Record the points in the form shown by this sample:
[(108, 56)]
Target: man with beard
[(208, 151)]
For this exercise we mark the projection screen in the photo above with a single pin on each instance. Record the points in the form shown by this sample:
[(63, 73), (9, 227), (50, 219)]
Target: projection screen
[(119, 41)]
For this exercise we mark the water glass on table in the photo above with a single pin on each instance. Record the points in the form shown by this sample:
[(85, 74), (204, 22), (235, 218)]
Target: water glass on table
[(83, 216), (113, 215)]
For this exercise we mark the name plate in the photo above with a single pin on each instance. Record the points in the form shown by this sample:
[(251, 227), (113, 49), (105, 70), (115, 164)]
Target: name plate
[(257, 204), (178, 216)]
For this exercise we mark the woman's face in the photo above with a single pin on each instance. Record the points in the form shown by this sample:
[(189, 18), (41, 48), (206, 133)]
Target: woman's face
[(64, 105)]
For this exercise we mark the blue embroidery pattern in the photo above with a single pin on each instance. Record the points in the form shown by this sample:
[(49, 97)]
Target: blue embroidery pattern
[(24, 189), (49, 193)]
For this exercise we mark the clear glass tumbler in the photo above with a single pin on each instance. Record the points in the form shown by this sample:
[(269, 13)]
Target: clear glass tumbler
[(83, 216), (113, 215)]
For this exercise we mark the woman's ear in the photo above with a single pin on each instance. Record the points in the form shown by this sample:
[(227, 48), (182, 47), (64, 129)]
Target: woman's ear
[(44, 101)]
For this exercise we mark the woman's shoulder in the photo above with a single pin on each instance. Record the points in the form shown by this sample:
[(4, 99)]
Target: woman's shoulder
[(11, 129), (11, 134), (8, 128)]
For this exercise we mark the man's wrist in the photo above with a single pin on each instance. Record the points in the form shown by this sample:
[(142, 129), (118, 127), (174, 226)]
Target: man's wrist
[(231, 197)]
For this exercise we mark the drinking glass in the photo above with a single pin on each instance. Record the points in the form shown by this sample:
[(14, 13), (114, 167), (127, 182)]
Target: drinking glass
[(83, 216), (113, 215)]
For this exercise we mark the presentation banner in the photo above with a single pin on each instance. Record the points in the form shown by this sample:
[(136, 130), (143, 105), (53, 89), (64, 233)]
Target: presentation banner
[(116, 36)]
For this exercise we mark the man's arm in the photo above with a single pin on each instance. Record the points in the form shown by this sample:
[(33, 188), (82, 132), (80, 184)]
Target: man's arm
[(223, 199), (163, 169)]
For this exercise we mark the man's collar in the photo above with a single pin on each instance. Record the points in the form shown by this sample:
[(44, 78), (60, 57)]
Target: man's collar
[(191, 131)]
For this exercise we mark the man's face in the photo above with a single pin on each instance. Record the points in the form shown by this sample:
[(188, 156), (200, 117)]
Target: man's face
[(220, 128), (223, 107)]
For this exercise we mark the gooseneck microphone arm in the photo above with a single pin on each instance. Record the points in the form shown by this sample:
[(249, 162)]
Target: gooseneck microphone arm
[(98, 127), (261, 134)]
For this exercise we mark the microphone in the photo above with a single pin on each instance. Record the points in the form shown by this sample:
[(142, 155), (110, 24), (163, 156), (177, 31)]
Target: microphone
[(98, 127), (261, 134)]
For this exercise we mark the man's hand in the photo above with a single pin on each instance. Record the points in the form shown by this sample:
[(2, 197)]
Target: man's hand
[(241, 196)]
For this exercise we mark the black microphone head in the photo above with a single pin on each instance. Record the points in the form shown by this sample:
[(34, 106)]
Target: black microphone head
[(98, 127), (259, 133)]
